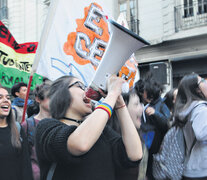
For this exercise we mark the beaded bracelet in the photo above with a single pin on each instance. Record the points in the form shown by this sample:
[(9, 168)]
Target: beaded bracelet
[(120, 107), (106, 107)]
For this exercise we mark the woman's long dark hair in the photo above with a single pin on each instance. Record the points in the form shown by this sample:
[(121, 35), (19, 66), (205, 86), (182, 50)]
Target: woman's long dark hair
[(168, 99), (15, 135), (188, 91), (60, 97)]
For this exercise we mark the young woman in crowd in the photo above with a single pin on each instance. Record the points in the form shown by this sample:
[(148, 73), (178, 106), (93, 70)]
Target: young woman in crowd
[(191, 113), (30, 124), (155, 120), (135, 109), (14, 157), (78, 141)]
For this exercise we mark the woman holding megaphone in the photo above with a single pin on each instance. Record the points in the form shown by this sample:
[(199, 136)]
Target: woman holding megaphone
[(76, 143)]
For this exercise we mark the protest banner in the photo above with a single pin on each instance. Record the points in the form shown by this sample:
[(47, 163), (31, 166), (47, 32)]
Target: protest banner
[(74, 40), (16, 60)]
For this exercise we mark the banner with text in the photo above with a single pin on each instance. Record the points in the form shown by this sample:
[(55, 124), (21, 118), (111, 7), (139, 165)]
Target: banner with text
[(74, 39), (16, 60)]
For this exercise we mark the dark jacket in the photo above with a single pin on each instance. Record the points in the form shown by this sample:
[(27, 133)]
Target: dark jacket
[(159, 123)]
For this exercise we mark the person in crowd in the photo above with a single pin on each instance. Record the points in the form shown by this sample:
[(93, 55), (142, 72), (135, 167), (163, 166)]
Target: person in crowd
[(34, 109), (14, 157), (135, 109), (19, 92), (40, 92), (169, 99), (76, 143), (191, 113), (155, 119)]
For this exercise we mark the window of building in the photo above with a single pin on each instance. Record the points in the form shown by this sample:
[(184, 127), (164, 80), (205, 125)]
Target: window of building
[(3, 9), (133, 23), (132, 9), (3, 3), (123, 8), (202, 6), (129, 9), (188, 8)]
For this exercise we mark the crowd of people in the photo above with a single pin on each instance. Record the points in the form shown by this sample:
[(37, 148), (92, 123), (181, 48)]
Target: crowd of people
[(64, 136)]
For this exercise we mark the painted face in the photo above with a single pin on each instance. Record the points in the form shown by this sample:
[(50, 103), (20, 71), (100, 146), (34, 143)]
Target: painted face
[(22, 92), (5, 103), (202, 84), (135, 110), (80, 104)]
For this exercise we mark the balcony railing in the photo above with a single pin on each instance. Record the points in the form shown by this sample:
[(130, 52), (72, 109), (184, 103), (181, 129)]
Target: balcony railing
[(3, 13), (134, 25), (190, 16)]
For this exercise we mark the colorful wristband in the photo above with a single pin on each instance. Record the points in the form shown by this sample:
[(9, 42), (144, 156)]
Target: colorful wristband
[(105, 107), (108, 106)]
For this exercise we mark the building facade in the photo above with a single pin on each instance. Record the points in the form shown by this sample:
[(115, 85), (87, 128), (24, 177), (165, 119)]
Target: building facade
[(177, 32), (25, 19)]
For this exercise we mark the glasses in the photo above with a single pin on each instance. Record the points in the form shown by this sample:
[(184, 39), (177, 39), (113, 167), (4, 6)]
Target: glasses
[(78, 84), (202, 80)]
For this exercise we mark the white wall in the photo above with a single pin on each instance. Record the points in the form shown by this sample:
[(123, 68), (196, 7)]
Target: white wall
[(157, 21), (26, 19), (168, 18), (151, 21)]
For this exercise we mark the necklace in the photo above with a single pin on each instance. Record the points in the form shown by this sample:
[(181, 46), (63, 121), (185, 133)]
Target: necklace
[(74, 120)]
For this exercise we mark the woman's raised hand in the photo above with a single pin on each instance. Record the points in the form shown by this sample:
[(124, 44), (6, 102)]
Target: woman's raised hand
[(114, 85)]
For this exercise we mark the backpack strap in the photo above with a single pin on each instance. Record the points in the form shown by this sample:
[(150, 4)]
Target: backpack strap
[(31, 125), (51, 171), (15, 111)]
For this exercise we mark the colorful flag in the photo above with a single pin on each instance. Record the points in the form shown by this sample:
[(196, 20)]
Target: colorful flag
[(16, 60)]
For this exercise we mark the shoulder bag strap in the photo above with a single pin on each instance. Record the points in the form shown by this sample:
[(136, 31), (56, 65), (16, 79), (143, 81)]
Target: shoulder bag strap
[(51, 171)]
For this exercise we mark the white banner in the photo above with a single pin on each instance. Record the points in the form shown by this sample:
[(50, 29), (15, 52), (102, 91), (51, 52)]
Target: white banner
[(73, 40)]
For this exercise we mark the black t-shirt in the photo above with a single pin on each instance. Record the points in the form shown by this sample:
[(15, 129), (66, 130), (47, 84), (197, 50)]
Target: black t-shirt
[(14, 165)]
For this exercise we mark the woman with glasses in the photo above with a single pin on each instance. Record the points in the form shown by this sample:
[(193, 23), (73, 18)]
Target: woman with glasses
[(14, 157), (191, 113), (75, 143)]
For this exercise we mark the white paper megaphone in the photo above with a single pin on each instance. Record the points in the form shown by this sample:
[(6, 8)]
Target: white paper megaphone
[(122, 44)]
